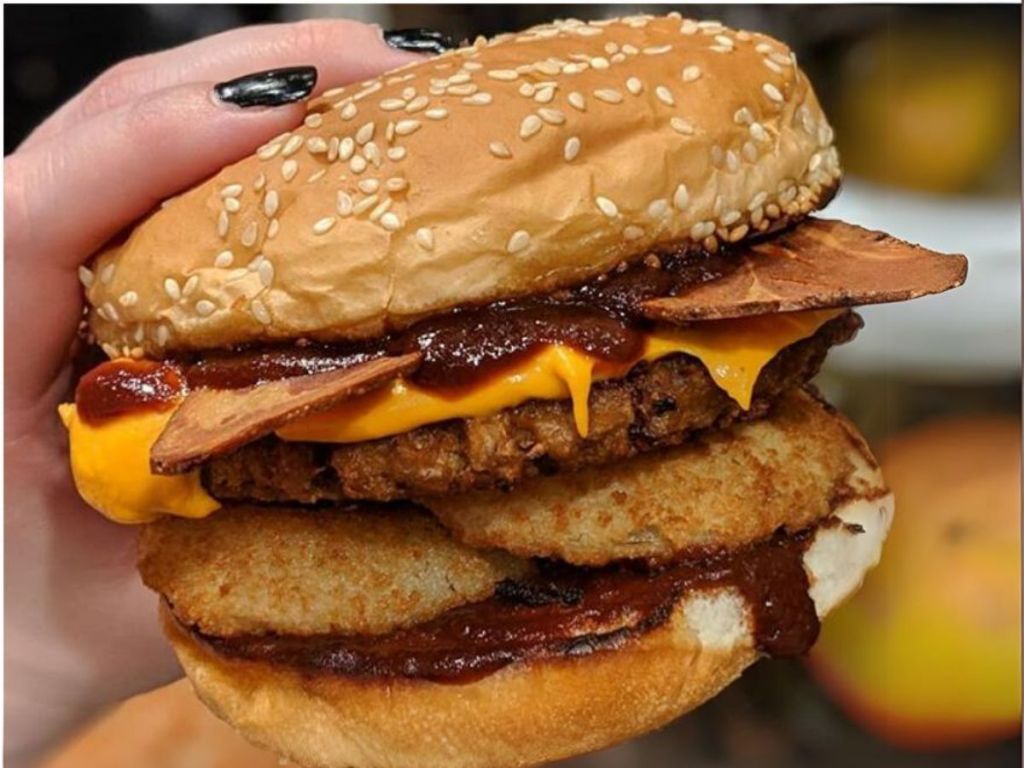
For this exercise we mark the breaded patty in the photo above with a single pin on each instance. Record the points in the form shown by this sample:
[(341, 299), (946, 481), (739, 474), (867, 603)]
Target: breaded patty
[(656, 405), (722, 490), (248, 570)]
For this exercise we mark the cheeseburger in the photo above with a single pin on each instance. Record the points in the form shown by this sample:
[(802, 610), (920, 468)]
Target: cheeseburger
[(470, 421)]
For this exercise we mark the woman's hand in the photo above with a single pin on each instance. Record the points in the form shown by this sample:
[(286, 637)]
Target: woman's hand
[(81, 629)]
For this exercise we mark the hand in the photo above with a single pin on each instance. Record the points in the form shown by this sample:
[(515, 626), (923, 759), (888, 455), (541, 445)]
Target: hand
[(81, 629)]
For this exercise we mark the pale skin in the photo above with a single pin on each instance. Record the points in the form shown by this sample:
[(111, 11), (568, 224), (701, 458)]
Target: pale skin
[(81, 630)]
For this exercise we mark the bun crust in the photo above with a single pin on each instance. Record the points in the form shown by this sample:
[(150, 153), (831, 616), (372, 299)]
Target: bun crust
[(517, 165), (528, 713)]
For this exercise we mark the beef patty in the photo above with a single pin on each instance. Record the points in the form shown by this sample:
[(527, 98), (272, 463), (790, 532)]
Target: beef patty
[(658, 404)]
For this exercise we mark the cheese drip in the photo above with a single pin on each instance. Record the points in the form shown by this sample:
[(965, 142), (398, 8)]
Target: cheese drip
[(110, 461)]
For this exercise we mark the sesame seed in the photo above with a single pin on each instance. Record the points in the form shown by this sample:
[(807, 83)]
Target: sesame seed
[(551, 115), (729, 218), (231, 205), (732, 161), (679, 125), (575, 68), (231, 190), (190, 286), (462, 90), (772, 66), (655, 50), (499, 149), (107, 274), (346, 148), (742, 116), (406, 127), (224, 260), (503, 74), (681, 198), (86, 276), (391, 105), (323, 225), (472, 66), (368, 186), (530, 125), (763, 48), (162, 335), (249, 234), (572, 148), (260, 182), (724, 41), (689, 27), (772, 211), (749, 151), (349, 111), (772, 92), (259, 311), (657, 208), (691, 73), (357, 164), (205, 307), (425, 238), (665, 96), (316, 145), (518, 242), (527, 90), (172, 289), (332, 149), (757, 200), (608, 208), (272, 229), (292, 146), (781, 58), (390, 222), (577, 101), (738, 233), (268, 151), (632, 50), (343, 203), (599, 62), (288, 169), (701, 229), (633, 232), (618, 58), (266, 273), (222, 224), (549, 68), (420, 102), (365, 204), (270, 203), (608, 95), (758, 132), (365, 133), (634, 86), (545, 95), (396, 184), (396, 153), (314, 119), (128, 299)]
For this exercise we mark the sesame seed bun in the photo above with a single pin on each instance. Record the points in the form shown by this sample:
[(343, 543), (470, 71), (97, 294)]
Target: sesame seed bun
[(513, 166), (724, 489), (528, 713)]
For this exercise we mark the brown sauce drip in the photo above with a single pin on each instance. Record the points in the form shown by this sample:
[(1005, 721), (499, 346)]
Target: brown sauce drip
[(460, 349), (118, 387), (563, 612)]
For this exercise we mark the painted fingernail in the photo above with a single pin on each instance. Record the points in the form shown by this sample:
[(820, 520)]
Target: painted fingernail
[(419, 40), (268, 89)]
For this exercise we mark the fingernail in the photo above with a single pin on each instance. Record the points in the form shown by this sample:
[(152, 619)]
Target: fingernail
[(268, 89), (419, 40)]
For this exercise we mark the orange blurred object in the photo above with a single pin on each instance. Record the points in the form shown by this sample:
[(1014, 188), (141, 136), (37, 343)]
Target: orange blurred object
[(166, 728), (927, 654)]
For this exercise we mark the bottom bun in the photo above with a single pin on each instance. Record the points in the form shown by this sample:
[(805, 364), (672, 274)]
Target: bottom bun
[(528, 713)]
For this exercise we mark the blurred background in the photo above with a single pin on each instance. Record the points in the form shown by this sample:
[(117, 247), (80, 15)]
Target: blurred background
[(922, 668)]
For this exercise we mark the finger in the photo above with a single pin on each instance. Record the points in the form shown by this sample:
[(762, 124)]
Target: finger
[(66, 197), (343, 52)]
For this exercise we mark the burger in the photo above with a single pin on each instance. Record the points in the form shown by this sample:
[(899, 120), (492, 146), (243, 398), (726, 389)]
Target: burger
[(470, 422)]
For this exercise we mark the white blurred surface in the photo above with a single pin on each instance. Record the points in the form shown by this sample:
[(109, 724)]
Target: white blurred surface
[(972, 332)]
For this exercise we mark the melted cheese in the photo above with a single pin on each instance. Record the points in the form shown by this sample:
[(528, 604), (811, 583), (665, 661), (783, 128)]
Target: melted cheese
[(110, 461), (110, 464), (733, 351)]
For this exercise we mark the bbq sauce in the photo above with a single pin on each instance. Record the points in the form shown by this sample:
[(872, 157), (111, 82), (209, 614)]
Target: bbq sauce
[(119, 387), (564, 612), (461, 348)]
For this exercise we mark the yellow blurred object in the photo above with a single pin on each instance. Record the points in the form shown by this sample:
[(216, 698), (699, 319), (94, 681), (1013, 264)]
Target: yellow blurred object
[(927, 109), (927, 654)]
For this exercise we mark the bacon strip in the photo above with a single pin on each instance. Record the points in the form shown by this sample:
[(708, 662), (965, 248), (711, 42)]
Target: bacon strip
[(818, 263), (212, 422)]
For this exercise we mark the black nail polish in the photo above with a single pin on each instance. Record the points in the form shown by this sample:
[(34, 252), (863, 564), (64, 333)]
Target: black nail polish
[(268, 89), (419, 40)]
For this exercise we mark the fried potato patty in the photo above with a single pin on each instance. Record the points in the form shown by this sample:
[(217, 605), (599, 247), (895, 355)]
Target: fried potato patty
[(657, 405), (249, 570), (722, 490)]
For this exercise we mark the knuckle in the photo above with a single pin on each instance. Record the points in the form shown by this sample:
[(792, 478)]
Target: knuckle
[(112, 87)]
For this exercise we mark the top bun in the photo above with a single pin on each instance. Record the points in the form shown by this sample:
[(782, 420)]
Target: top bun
[(516, 165)]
